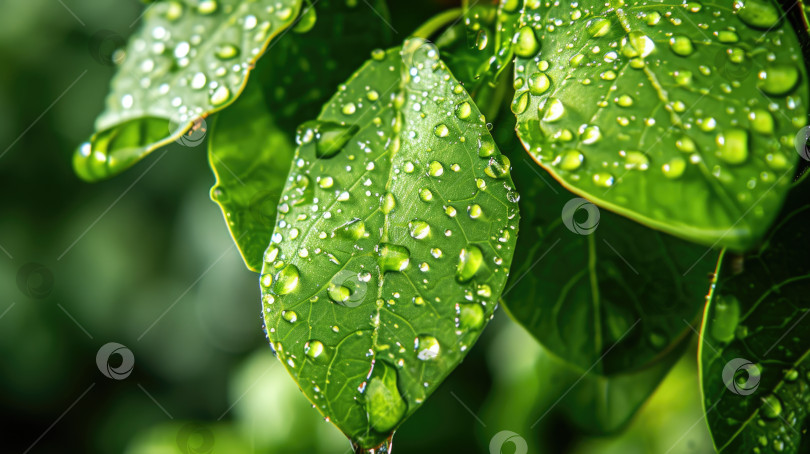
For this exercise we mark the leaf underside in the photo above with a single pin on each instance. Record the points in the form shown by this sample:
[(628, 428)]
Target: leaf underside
[(603, 292), (392, 243), (249, 154), (188, 60), (756, 327), (679, 115), (250, 146)]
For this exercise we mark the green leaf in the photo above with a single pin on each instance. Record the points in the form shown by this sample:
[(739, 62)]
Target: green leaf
[(393, 241), (304, 69), (685, 128), (467, 46), (753, 356), (612, 401), (188, 60), (508, 19), (249, 150), (600, 291), (249, 155)]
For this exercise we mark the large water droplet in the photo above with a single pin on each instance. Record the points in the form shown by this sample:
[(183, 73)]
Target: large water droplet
[(427, 347), (384, 403), (778, 79), (760, 14), (286, 280), (470, 316), (525, 42), (725, 318), (470, 260), (393, 257), (733, 146), (313, 349)]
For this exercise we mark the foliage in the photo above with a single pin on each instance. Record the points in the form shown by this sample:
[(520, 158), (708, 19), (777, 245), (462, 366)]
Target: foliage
[(388, 233)]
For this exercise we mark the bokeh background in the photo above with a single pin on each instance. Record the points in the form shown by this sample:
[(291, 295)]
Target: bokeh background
[(145, 260)]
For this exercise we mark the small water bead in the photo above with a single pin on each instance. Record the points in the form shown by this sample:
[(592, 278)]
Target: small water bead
[(635, 160), (425, 195), (378, 54), (520, 103), (674, 168), (733, 146), (354, 229), (266, 281), (778, 79), (686, 144), (525, 43), (498, 167), (441, 130), (761, 14), (313, 349), (427, 347), (608, 75), (475, 211), (603, 179), (435, 169), (486, 146), (221, 95), (349, 108), (289, 316), (387, 203), (419, 229), (637, 44), (554, 110), (418, 301), (286, 280), (198, 81), (569, 160), (470, 260), (338, 293), (624, 101), (393, 257), (539, 83), (771, 407), (470, 316), (326, 182), (463, 110), (598, 27), (681, 45)]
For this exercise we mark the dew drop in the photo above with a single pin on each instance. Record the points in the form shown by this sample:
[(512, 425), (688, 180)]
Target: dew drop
[(470, 260)]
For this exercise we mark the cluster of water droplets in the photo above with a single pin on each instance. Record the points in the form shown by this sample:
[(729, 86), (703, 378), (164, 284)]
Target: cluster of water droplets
[(395, 188), (186, 61), (625, 88)]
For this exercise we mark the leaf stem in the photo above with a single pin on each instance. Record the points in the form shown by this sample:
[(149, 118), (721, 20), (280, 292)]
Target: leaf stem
[(437, 22)]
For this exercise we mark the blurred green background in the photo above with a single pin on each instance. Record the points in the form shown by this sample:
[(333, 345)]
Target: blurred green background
[(145, 260)]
